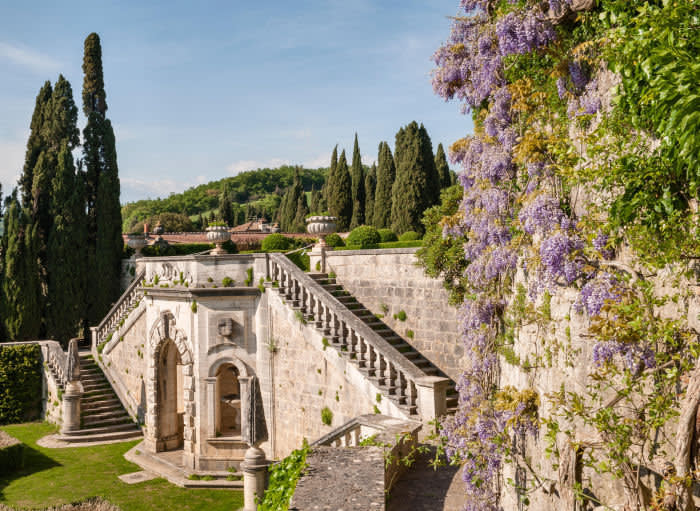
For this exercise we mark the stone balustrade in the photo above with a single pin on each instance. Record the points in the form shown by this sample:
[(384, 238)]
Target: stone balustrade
[(119, 310), (398, 378)]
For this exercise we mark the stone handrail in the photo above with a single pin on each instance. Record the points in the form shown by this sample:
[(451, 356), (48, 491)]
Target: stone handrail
[(373, 354), (122, 307), (383, 428)]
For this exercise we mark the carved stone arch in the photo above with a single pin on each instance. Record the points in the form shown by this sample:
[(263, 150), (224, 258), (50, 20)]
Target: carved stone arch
[(242, 367), (162, 331)]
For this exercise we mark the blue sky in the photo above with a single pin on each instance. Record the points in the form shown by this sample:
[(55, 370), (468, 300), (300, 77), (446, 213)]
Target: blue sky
[(202, 90)]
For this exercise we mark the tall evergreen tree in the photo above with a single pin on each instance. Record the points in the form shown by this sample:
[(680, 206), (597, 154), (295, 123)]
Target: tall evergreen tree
[(35, 143), (340, 194), (427, 164), (386, 173), (101, 187), (370, 188), (315, 206), (226, 208), (442, 168), (416, 186), (357, 174), (332, 172), (290, 207), (66, 284), (20, 286), (302, 211)]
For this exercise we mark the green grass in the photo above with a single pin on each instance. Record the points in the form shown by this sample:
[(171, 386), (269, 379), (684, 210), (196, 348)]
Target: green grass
[(60, 476)]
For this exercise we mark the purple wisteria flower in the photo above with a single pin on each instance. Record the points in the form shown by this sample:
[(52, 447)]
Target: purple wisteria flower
[(522, 32), (596, 292), (556, 254), (600, 243), (542, 215), (578, 75), (634, 356)]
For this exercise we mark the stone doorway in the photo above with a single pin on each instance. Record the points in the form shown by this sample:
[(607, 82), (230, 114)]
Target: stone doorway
[(170, 398)]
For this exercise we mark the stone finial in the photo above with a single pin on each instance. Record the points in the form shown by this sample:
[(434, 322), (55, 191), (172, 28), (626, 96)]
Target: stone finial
[(73, 369)]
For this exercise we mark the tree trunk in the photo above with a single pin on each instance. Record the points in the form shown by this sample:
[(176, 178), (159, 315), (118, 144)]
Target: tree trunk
[(685, 437)]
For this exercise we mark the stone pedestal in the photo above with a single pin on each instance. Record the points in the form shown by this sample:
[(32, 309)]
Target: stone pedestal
[(432, 397), (71, 407), (254, 469), (317, 258)]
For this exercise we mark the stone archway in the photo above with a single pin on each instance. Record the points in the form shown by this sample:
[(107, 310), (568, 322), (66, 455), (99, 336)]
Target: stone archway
[(163, 336), (227, 375)]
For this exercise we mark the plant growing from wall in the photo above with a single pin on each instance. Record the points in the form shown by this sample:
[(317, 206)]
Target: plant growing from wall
[(283, 478), (326, 416)]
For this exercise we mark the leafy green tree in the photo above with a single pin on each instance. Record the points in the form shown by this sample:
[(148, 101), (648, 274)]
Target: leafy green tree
[(20, 285), (35, 143), (386, 173), (357, 174), (443, 256), (416, 183), (340, 194), (66, 284), (442, 168), (370, 187)]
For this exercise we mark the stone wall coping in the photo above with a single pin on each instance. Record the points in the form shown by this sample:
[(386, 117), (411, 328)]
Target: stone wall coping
[(194, 292), (372, 251), (387, 428), (202, 258)]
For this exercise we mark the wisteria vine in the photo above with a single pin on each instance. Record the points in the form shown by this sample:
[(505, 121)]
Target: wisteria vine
[(514, 213)]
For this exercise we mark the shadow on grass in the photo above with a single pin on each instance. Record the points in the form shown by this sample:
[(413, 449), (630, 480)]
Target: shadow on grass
[(34, 461)]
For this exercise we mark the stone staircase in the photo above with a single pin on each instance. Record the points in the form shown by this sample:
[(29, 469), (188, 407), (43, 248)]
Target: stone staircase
[(119, 312), (103, 418), (331, 285), (379, 353)]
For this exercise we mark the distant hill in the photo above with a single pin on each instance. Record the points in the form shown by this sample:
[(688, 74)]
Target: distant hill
[(255, 187)]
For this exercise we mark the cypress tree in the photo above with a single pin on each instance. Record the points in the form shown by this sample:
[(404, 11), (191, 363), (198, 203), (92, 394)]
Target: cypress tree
[(416, 186), (340, 194), (332, 172), (302, 211), (65, 284), (386, 173), (370, 186), (357, 174), (442, 168), (35, 143), (226, 208), (315, 206), (427, 164), (291, 204), (102, 187), (20, 286)]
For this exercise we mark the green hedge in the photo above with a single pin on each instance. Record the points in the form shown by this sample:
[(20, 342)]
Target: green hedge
[(11, 458), (20, 383), (364, 236), (178, 249), (390, 244)]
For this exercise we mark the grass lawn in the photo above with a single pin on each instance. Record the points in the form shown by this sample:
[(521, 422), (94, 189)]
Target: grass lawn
[(60, 476)]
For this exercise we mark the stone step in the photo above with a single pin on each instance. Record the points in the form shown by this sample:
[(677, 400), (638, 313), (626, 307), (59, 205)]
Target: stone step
[(90, 422), (91, 436), (115, 406), (93, 386), (98, 395), (113, 413), (96, 404), (127, 426)]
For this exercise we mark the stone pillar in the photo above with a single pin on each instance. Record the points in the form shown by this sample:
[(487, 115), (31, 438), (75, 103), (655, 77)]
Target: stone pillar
[(71, 407), (432, 397), (211, 407), (254, 468), (318, 256)]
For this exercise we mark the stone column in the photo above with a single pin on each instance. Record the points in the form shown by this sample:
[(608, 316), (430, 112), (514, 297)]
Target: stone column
[(318, 256), (254, 469), (71, 407), (432, 397)]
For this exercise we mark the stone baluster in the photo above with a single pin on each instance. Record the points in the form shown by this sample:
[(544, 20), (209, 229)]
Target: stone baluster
[(391, 377), (400, 383), (295, 292), (371, 361), (318, 314), (352, 343), (381, 370), (326, 320), (342, 334), (361, 352), (411, 393)]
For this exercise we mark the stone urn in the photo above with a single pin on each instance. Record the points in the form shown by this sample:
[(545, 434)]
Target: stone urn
[(218, 234), (321, 226), (137, 242)]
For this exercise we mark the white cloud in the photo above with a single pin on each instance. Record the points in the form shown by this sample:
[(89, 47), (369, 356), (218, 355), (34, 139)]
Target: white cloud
[(11, 162), (29, 58), (242, 165)]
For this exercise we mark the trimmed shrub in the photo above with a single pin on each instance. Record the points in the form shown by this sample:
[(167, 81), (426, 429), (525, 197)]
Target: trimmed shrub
[(20, 381), (410, 236), (334, 240), (276, 242), (364, 236), (387, 235), (301, 259)]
